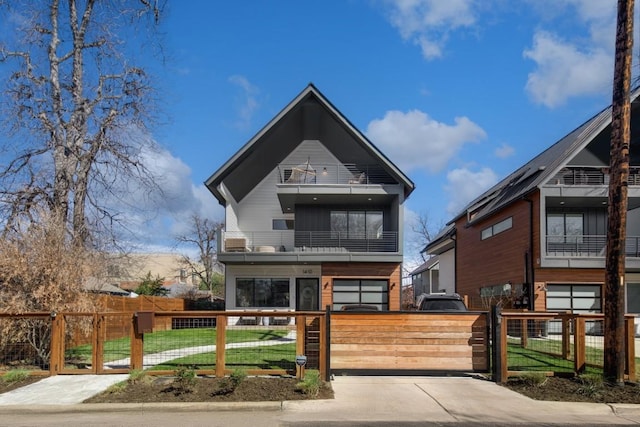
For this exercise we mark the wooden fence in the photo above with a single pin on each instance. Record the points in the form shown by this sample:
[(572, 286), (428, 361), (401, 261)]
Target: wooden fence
[(567, 343), (418, 341)]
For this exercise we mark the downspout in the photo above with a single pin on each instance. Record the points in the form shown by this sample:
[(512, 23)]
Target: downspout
[(531, 262)]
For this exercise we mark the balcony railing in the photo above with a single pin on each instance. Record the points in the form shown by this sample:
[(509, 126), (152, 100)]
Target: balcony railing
[(591, 176), (587, 246), (289, 241), (322, 174)]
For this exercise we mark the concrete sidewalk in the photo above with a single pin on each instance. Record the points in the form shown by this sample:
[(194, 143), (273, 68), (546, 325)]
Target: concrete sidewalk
[(357, 400)]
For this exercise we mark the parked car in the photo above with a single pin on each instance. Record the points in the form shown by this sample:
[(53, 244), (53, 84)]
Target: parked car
[(359, 307), (441, 302)]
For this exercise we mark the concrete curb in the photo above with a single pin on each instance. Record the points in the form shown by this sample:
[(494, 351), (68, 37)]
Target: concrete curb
[(142, 407)]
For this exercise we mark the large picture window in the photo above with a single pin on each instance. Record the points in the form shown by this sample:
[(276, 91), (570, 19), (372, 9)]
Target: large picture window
[(364, 291), (259, 293), (565, 227), (356, 224)]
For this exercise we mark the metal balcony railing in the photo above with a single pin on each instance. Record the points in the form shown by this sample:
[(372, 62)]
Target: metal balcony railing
[(591, 176), (310, 173), (288, 241), (587, 246)]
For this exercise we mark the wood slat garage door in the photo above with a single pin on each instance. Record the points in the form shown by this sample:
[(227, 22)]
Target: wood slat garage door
[(409, 341)]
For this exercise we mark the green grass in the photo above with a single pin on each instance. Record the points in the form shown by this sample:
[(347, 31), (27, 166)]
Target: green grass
[(157, 342), (14, 375), (281, 356), (545, 355)]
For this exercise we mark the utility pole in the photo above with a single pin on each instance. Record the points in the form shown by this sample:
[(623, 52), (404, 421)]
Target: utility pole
[(614, 351)]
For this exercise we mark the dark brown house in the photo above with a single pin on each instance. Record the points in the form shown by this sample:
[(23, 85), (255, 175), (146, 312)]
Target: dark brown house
[(537, 239)]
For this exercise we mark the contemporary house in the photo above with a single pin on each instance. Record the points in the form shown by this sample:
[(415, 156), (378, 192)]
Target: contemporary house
[(537, 239), (313, 214)]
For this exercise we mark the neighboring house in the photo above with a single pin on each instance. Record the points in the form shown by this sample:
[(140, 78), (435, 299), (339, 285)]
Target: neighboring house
[(314, 214), (441, 267), (128, 271), (425, 279), (537, 239)]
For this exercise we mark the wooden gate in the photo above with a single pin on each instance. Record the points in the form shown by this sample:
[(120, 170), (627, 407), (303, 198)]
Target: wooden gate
[(419, 341)]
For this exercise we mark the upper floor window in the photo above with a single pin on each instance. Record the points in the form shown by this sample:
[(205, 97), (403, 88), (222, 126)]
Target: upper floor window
[(499, 227), (565, 227), (356, 224), (282, 224)]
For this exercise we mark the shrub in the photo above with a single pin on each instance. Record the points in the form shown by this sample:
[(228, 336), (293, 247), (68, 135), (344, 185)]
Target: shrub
[(136, 376), (590, 384), (14, 376), (185, 380), (229, 384), (534, 379), (311, 383)]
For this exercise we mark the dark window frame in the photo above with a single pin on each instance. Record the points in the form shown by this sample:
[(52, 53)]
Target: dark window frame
[(273, 297)]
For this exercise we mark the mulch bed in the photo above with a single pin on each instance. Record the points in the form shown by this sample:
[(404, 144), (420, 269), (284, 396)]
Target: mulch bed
[(576, 390), (209, 389)]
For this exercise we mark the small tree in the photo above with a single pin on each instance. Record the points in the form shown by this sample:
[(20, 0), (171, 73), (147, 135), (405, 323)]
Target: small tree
[(41, 270), (151, 286)]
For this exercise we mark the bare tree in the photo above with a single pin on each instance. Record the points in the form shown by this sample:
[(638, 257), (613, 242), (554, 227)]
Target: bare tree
[(422, 232), (75, 107), (202, 234)]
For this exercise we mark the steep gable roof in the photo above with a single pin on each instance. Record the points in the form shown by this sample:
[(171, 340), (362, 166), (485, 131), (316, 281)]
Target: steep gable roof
[(539, 169), (308, 116)]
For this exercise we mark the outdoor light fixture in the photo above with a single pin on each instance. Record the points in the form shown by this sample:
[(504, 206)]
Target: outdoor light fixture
[(301, 360), (324, 171)]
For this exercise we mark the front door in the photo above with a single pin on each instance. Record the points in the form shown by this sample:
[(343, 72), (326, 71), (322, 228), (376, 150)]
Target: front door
[(308, 294)]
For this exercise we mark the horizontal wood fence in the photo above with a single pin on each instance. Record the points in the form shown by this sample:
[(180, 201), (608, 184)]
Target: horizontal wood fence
[(419, 341)]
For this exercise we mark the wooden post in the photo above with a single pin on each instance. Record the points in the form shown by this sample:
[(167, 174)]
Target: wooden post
[(630, 351), (137, 345), (56, 355), (579, 348), (614, 287), (221, 338), (566, 337), (322, 357), (523, 333), (504, 344), (300, 339), (97, 357)]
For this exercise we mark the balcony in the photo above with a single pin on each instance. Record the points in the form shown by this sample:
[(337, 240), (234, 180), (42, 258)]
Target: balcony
[(310, 173), (587, 246), (588, 176), (296, 242)]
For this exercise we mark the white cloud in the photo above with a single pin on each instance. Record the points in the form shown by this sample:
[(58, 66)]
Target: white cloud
[(564, 71), (156, 216), (414, 140), (504, 151), (583, 65), (248, 101), (427, 23), (464, 185)]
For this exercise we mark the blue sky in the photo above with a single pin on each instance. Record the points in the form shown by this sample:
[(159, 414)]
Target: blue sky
[(458, 93)]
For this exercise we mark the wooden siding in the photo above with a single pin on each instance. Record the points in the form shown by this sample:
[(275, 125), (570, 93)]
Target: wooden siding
[(388, 271), (409, 341), (496, 260)]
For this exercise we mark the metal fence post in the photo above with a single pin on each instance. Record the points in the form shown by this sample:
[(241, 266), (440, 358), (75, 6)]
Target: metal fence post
[(327, 343), (497, 360)]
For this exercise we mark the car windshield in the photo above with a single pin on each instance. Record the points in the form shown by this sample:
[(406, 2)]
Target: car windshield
[(443, 305)]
